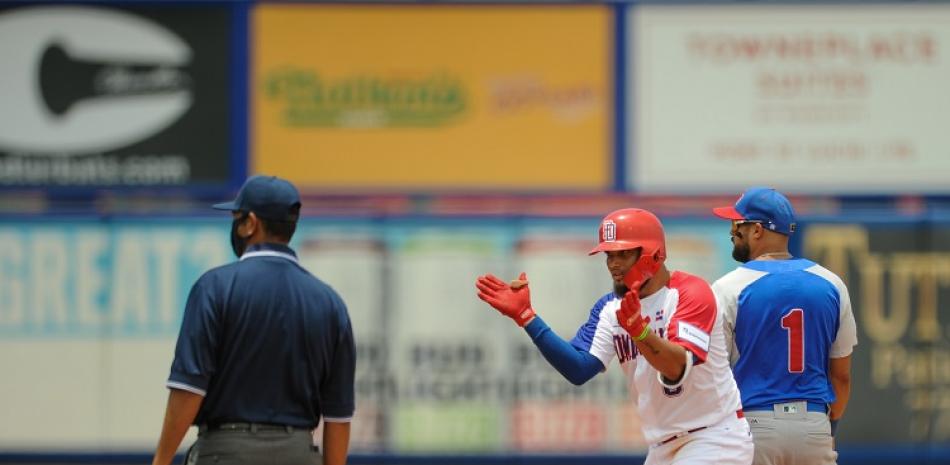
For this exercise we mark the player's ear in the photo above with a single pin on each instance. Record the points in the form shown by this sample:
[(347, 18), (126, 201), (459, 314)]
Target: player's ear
[(252, 224)]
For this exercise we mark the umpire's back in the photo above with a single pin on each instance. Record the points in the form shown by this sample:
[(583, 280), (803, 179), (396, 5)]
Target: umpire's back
[(265, 350), (280, 335)]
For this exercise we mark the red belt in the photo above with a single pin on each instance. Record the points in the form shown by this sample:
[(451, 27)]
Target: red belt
[(739, 414)]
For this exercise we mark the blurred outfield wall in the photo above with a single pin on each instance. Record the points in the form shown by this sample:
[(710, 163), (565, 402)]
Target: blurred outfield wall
[(89, 312), (95, 306)]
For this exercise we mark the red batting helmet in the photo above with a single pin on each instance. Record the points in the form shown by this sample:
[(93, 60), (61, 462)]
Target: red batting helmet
[(631, 228)]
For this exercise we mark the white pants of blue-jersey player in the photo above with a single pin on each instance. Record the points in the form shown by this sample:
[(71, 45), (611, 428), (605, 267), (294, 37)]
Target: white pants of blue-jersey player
[(791, 435)]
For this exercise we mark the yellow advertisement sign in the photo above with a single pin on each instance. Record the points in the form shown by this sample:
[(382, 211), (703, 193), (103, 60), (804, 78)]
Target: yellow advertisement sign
[(428, 96)]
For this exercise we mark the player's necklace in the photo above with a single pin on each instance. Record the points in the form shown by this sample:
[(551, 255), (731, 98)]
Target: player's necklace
[(774, 256)]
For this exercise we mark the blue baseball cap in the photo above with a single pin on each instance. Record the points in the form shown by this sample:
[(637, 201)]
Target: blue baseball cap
[(269, 197), (765, 205)]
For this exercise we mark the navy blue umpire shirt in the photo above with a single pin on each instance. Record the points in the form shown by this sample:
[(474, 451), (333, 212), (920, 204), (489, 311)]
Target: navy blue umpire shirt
[(265, 341)]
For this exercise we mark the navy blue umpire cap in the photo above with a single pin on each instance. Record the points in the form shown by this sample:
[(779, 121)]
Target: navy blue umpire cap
[(269, 197), (764, 205)]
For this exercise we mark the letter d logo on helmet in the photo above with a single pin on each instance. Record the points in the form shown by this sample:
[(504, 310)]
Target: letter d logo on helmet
[(632, 228), (608, 231)]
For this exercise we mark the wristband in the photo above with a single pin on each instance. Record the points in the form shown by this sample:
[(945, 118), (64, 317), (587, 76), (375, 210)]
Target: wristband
[(643, 335), (525, 317), (834, 426)]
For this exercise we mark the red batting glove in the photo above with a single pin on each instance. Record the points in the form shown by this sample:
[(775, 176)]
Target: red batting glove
[(629, 317), (513, 301)]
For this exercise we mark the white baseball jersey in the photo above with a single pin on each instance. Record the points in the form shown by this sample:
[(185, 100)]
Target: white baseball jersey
[(685, 313)]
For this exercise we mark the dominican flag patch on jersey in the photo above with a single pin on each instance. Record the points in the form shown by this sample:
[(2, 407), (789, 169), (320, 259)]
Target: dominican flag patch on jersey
[(693, 334)]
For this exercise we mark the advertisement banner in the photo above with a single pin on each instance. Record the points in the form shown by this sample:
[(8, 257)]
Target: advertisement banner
[(426, 96), (445, 368), (89, 315), (87, 279), (351, 257), (108, 96), (812, 99), (898, 277)]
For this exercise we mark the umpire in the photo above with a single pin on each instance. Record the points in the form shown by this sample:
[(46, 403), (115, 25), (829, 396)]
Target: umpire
[(265, 349)]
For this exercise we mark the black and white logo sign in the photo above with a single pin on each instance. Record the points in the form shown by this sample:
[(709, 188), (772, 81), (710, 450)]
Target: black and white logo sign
[(104, 96)]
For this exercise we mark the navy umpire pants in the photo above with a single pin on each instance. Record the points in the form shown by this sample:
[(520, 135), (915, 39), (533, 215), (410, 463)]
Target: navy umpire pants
[(248, 444)]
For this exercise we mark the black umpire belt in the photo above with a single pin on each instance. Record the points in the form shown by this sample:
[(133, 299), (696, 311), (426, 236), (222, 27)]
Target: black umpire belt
[(246, 427)]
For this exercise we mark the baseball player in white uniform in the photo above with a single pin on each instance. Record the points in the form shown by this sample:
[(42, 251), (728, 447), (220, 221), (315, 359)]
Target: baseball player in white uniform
[(665, 330)]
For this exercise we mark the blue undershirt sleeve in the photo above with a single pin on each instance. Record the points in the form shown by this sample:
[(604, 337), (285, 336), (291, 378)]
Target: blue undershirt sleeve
[(575, 365)]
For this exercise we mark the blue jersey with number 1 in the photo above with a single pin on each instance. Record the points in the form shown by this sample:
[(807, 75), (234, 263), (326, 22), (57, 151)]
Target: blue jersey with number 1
[(784, 320)]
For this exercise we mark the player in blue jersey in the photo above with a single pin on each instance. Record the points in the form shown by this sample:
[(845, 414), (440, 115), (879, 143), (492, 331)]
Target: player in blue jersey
[(790, 332)]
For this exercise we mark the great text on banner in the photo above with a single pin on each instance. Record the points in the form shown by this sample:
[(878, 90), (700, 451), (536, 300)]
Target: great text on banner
[(109, 96), (460, 97), (807, 98)]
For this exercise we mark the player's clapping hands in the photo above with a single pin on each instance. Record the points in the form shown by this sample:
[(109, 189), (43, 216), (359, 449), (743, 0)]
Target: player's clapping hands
[(512, 300), (631, 319)]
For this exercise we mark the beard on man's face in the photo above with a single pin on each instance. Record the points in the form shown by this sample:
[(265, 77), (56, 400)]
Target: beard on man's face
[(620, 289), (741, 253)]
